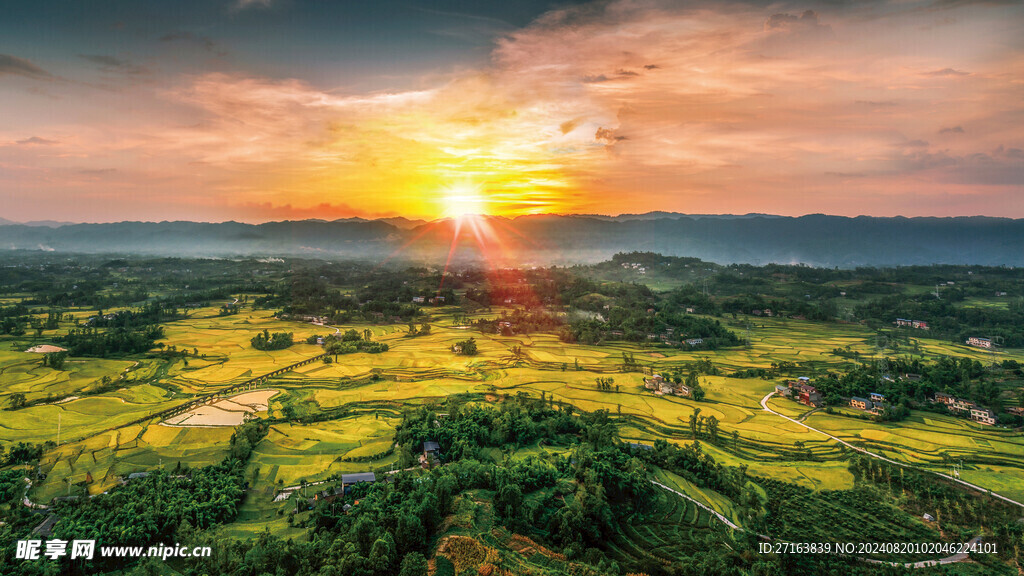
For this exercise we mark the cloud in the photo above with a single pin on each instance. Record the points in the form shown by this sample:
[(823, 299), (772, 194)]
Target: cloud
[(191, 38), (607, 136), (807, 21), (569, 125), (267, 211), (12, 65), (947, 72), (36, 141), (724, 111), (240, 5), (108, 63)]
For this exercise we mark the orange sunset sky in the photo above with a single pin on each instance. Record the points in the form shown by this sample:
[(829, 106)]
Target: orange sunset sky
[(258, 110)]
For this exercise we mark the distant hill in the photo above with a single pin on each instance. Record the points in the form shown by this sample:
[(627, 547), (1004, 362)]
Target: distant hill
[(817, 240)]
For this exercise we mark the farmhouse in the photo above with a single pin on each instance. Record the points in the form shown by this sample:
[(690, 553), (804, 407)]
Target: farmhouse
[(1018, 410), (437, 300), (809, 395), (45, 528), (979, 342), (961, 405), (876, 397), (431, 449), (695, 341), (983, 415), (654, 382), (946, 399), (418, 299), (860, 403), (783, 390), (349, 480)]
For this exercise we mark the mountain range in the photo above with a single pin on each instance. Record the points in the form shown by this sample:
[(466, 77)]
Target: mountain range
[(817, 240)]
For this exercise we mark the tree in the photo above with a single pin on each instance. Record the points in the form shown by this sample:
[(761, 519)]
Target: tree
[(55, 360), (414, 564), (465, 347), (382, 555), (17, 400), (712, 423)]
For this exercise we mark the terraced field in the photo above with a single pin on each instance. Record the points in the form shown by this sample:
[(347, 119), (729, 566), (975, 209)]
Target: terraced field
[(367, 392)]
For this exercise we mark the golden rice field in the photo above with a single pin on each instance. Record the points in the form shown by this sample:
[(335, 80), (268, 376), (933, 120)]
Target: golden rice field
[(95, 442)]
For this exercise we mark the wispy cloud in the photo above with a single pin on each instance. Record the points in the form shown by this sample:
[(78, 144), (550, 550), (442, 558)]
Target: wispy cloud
[(12, 65), (109, 63), (626, 105), (191, 38), (240, 5), (36, 141)]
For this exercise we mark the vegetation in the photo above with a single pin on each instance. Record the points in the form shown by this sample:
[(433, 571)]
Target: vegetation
[(548, 440)]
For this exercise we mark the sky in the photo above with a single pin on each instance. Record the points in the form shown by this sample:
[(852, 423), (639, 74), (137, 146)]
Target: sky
[(260, 110)]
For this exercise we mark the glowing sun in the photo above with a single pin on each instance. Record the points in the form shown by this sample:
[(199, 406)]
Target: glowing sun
[(464, 200)]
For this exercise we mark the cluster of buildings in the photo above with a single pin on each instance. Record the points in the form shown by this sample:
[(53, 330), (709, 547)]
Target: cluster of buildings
[(435, 300), (966, 407), (875, 405), (905, 323), (802, 391), (662, 386), (635, 266)]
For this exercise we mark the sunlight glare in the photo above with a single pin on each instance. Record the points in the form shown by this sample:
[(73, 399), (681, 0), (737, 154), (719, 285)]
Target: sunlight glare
[(464, 200)]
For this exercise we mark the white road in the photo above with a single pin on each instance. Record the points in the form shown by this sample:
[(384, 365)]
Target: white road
[(764, 404)]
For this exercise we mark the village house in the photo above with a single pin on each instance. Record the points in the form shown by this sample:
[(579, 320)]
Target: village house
[(1018, 410), (979, 342), (437, 300), (418, 299), (662, 386), (810, 396), (961, 405), (919, 324), (694, 341), (783, 390), (876, 397), (45, 528), (946, 399), (349, 480), (983, 415), (860, 403), (431, 450)]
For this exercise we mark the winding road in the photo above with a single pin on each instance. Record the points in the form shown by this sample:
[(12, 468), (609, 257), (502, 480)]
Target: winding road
[(921, 564), (764, 405)]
